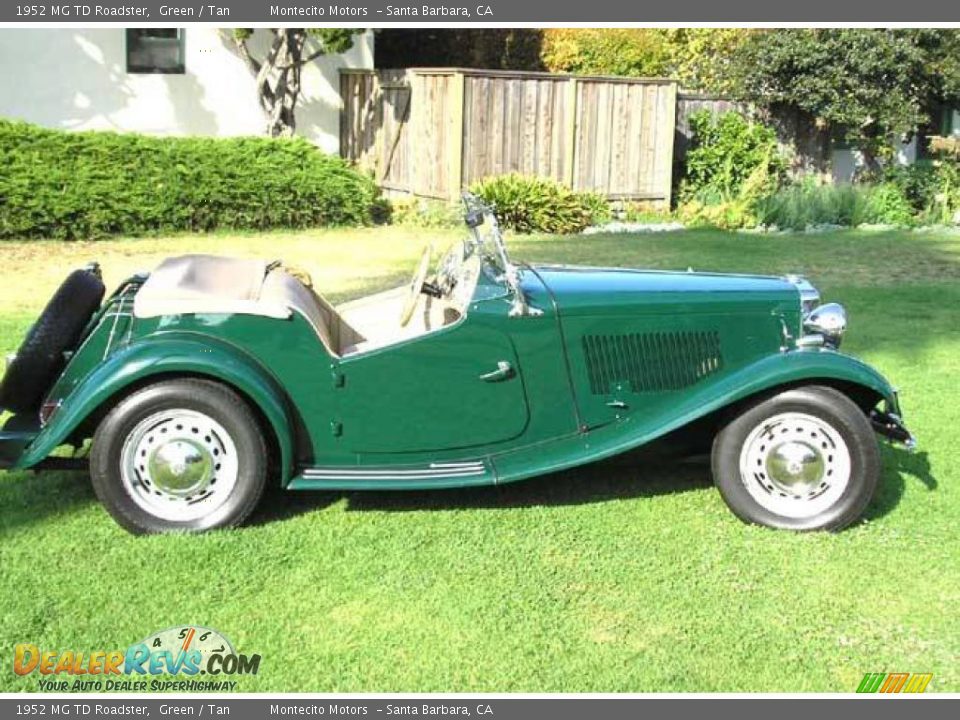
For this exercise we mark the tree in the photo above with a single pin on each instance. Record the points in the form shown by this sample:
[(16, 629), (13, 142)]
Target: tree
[(490, 48), (871, 86), (634, 52), (700, 58), (278, 70)]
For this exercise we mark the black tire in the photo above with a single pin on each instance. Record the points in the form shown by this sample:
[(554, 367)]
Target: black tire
[(839, 414), (208, 399), (40, 359)]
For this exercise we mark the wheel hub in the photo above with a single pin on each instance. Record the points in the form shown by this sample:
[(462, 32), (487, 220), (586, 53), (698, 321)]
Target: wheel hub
[(796, 465), (181, 467)]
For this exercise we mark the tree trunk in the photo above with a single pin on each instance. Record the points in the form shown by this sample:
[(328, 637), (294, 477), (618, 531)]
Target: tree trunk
[(278, 79)]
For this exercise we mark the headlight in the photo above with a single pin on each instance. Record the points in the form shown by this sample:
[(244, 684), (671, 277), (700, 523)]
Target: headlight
[(828, 321)]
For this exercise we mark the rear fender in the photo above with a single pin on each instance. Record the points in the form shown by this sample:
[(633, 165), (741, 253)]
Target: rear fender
[(165, 355)]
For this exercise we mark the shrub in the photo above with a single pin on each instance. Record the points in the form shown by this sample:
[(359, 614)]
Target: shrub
[(423, 213), (92, 184), (530, 204), (727, 150), (946, 204), (916, 182), (806, 204)]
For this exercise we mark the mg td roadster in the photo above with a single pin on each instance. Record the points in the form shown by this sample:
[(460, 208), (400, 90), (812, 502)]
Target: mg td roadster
[(208, 378)]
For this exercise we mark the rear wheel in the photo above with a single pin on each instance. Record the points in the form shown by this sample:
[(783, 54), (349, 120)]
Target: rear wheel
[(182, 455), (805, 459)]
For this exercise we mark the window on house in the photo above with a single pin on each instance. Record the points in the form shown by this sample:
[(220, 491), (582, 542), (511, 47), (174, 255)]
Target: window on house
[(155, 50)]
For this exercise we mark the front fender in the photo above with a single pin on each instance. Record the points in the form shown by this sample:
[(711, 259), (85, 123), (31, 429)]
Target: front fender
[(168, 354), (639, 428), (809, 365), (768, 373)]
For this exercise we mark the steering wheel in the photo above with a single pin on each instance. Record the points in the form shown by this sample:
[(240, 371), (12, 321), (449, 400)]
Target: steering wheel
[(449, 267), (416, 286)]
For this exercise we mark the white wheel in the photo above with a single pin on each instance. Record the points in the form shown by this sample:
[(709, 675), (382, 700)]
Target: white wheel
[(805, 459), (179, 465), (795, 465), (180, 455)]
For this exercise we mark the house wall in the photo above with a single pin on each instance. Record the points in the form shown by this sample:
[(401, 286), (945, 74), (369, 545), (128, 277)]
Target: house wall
[(76, 79), (846, 162)]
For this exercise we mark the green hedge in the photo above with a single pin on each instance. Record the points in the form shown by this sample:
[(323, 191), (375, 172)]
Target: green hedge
[(81, 185)]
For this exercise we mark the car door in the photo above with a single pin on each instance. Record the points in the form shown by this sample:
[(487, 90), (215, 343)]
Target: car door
[(459, 387)]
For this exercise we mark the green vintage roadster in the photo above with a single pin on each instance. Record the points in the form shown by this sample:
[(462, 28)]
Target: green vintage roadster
[(211, 377)]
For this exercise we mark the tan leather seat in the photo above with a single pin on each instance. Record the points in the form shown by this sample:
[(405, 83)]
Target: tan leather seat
[(279, 288), (207, 284)]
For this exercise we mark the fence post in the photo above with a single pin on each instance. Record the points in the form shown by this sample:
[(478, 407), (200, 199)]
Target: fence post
[(570, 141), (670, 121), (455, 139)]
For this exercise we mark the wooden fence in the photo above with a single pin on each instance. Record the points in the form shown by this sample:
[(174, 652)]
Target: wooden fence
[(431, 132)]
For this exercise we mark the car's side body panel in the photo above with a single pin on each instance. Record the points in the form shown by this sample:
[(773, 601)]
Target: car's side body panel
[(631, 430), (612, 360), (164, 355)]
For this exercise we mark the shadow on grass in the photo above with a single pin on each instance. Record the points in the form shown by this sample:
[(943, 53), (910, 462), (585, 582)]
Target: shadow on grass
[(898, 465), (28, 497), (643, 473)]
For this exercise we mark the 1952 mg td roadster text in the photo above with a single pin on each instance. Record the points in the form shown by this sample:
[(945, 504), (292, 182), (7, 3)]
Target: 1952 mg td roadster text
[(211, 377)]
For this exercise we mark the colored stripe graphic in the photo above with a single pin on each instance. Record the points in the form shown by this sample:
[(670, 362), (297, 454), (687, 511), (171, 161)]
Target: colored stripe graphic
[(894, 682)]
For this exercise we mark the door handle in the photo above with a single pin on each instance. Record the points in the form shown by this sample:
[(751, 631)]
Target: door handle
[(504, 371)]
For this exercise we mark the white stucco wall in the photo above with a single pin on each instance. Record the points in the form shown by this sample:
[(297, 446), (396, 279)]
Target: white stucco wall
[(76, 79)]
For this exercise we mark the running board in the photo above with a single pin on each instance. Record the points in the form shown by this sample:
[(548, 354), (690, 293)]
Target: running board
[(398, 477)]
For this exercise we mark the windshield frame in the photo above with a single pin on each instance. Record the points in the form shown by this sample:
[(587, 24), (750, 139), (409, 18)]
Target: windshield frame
[(480, 214)]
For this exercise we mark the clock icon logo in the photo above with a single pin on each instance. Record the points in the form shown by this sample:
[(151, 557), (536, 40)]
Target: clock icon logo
[(190, 638)]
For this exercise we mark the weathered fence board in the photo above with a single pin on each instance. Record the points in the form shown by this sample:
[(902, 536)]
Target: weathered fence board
[(431, 132)]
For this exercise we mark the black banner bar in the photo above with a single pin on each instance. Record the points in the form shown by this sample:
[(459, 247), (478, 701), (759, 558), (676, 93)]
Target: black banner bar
[(375, 13)]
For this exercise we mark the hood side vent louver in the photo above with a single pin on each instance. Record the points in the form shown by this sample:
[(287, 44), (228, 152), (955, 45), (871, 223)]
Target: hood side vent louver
[(650, 362)]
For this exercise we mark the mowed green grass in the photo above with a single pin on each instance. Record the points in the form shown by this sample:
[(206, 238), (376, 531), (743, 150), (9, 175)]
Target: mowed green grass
[(625, 576)]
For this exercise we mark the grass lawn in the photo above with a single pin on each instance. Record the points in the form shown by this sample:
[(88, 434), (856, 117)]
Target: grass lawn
[(623, 576)]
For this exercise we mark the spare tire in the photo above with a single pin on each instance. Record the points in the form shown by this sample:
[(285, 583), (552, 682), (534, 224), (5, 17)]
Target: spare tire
[(40, 359)]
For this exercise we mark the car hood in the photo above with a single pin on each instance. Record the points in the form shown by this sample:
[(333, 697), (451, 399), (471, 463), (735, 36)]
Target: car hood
[(589, 290)]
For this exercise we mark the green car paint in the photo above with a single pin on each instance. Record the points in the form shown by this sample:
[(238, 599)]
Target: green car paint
[(611, 360)]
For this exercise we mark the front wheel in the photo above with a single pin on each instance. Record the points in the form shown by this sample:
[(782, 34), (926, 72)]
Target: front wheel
[(805, 459), (181, 455)]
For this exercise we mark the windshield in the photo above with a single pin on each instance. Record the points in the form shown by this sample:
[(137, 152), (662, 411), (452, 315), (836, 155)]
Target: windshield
[(481, 218), (485, 230)]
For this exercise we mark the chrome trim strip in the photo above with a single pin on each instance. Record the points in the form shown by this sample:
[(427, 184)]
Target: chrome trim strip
[(435, 471), (313, 472), (457, 464)]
